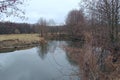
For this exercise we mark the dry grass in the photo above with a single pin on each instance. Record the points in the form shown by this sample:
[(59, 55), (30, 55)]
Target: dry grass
[(20, 40), (21, 37), (90, 69), (94, 62)]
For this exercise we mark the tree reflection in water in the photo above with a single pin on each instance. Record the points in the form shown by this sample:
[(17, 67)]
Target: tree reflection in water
[(51, 46), (43, 50), (70, 60), (46, 48)]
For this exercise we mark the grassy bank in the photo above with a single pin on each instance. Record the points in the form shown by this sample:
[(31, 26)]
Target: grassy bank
[(19, 40), (21, 37)]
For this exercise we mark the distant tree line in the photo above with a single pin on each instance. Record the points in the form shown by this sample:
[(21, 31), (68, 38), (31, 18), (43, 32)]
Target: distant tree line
[(15, 28), (25, 28)]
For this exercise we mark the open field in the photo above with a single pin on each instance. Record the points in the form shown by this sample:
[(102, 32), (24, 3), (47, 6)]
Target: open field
[(19, 40), (21, 37)]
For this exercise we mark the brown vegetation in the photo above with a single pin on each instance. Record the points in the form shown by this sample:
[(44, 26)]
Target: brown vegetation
[(95, 63), (20, 40), (99, 58)]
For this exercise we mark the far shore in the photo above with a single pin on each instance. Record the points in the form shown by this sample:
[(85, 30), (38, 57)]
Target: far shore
[(16, 41)]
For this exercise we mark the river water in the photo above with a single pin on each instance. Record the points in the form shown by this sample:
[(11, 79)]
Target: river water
[(46, 62)]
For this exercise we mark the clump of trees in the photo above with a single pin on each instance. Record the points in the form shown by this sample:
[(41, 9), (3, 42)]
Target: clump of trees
[(107, 12), (42, 27), (48, 29), (75, 22)]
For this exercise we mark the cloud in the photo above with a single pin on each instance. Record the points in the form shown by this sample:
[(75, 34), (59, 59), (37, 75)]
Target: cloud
[(48, 9)]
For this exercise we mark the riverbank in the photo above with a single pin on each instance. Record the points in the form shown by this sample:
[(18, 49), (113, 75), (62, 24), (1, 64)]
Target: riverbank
[(94, 63), (20, 41)]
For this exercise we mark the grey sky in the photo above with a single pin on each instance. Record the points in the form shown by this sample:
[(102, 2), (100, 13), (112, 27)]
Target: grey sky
[(48, 9)]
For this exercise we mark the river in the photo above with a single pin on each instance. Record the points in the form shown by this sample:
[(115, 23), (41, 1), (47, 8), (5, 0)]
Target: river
[(46, 62)]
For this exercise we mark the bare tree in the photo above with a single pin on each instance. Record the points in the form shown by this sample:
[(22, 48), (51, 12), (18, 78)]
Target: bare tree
[(42, 27), (10, 7), (75, 21)]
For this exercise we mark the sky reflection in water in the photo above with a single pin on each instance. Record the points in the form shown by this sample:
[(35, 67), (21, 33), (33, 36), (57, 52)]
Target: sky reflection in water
[(47, 62)]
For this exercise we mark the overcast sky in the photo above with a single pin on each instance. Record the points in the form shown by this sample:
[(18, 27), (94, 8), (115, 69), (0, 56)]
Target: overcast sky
[(48, 9)]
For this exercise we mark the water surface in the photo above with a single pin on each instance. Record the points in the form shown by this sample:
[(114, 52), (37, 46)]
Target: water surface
[(46, 62)]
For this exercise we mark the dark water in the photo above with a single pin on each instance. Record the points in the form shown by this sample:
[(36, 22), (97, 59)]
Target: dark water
[(47, 62)]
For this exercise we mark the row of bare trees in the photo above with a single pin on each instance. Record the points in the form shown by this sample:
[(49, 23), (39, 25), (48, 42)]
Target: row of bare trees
[(100, 17), (99, 58), (48, 28), (105, 13)]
